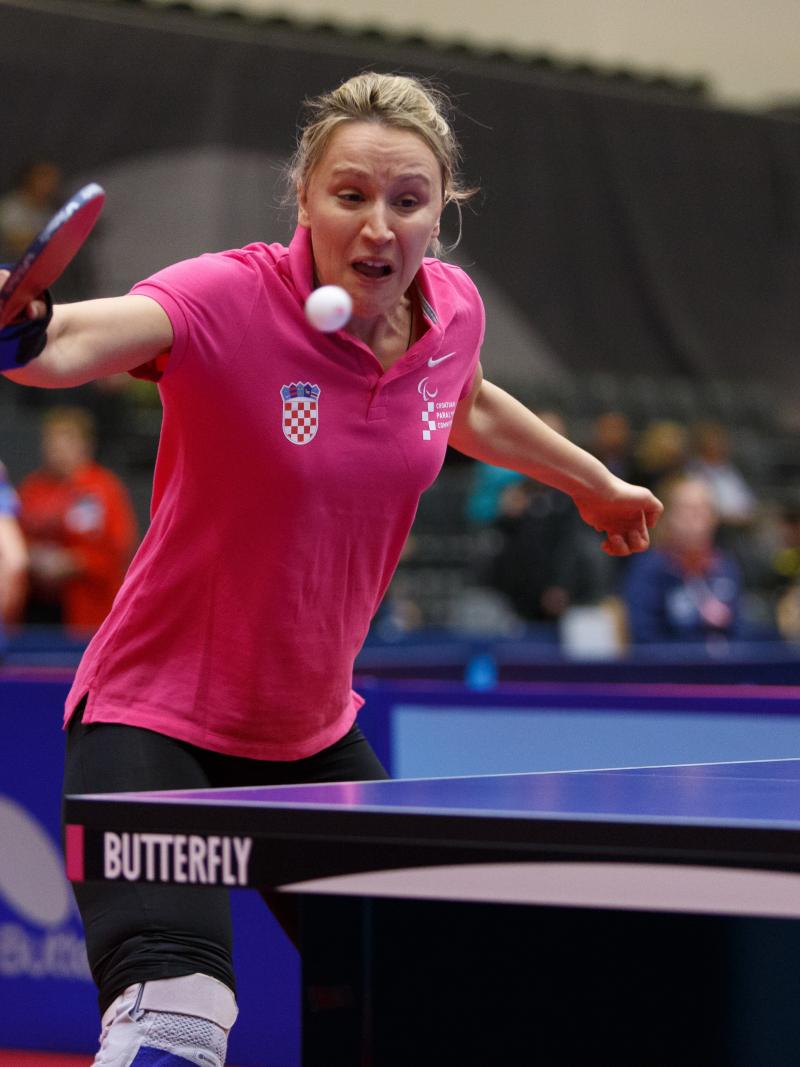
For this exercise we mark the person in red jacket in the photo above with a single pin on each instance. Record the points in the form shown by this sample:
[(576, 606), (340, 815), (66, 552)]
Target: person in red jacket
[(79, 523)]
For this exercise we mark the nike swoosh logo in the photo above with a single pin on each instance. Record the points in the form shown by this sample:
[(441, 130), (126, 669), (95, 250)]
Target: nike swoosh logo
[(440, 359)]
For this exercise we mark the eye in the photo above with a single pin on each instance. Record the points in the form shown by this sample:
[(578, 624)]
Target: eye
[(407, 203), (349, 196)]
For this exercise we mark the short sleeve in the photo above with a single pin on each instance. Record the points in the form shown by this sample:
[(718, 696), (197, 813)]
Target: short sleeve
[(207, 300)]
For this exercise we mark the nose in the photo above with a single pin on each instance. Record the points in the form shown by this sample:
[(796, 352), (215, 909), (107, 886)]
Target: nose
[(376, 224)]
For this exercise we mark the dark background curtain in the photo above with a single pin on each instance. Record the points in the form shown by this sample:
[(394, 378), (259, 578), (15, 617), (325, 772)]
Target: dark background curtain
[(629, 231)]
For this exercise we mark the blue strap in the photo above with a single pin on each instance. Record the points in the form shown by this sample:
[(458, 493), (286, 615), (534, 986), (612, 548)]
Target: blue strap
[(158, 1057), (20, 342)]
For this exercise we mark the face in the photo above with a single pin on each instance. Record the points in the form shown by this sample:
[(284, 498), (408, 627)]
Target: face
[(612, 431), (690, 516), (372, 204), (713, 444), (64, 449)]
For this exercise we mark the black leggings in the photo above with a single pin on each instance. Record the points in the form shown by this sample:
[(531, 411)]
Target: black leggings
[(137, 932)]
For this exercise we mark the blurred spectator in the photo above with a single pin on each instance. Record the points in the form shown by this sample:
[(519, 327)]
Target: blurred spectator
[(711, 459), (783, 578), (79, 523), (661, 452), (544, 558), (398, 613), (685, 588), (786, 556), (13, 554), (484, 500), (736, 503), (486, 491), (27, 207), (611, 441), (787, 614)]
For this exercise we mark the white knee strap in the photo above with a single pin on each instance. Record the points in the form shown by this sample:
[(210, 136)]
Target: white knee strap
[(192, 994)]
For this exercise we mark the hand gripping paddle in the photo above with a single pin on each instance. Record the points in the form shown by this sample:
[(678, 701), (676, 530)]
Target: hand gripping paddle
[(50, 252)]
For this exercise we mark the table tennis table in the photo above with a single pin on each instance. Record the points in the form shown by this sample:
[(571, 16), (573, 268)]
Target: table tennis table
[(641, 915)]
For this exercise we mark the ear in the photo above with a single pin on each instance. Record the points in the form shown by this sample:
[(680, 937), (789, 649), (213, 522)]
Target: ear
[(302, 207), (437, 228)]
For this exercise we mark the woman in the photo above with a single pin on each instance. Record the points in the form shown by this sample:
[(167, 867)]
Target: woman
[(688, 588), (289, 471), (79, 522)]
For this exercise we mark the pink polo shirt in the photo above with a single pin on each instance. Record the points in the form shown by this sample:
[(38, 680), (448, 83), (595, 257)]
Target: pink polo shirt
[(288, 475)]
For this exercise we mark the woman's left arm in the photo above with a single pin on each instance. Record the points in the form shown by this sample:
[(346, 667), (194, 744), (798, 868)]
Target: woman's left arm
[(490, 425)]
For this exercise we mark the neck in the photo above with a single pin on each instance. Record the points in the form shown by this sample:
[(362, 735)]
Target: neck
[(388, 336)]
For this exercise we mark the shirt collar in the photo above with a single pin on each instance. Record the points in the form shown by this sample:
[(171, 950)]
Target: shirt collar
[(301, 262)]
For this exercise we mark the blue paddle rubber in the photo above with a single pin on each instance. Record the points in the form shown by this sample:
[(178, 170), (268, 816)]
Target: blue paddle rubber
[(20, 342)]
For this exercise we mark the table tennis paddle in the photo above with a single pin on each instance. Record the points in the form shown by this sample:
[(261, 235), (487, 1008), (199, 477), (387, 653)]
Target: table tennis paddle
[(50, 252)]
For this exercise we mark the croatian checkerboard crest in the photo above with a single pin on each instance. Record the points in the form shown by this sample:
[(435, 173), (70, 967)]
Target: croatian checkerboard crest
[(300, 412)]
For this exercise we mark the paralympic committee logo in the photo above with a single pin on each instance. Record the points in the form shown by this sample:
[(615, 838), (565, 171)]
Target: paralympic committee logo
[(33, 888), (436, 414), (300, 417)]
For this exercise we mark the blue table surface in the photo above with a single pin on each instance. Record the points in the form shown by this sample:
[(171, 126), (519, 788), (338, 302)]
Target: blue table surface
[(765, 794)]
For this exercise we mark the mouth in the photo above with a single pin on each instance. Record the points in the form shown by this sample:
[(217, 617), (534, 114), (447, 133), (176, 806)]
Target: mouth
[(372, 268)]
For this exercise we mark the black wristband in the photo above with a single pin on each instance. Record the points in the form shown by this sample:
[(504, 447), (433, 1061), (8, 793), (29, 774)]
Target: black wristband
[(20, 342)]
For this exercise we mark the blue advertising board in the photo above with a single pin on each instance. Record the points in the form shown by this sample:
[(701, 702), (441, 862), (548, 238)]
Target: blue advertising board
[(45, 985), (417, 729)]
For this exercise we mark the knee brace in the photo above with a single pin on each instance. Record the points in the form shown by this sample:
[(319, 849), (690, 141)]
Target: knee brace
[(170, 1022)]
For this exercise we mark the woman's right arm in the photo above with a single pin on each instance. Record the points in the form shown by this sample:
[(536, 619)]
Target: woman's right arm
[(96, 338)]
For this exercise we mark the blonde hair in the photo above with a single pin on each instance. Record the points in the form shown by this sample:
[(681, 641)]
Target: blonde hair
[(395, 100)]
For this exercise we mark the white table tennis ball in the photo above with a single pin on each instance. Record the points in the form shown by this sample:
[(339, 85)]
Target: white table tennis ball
[(329, 308)]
